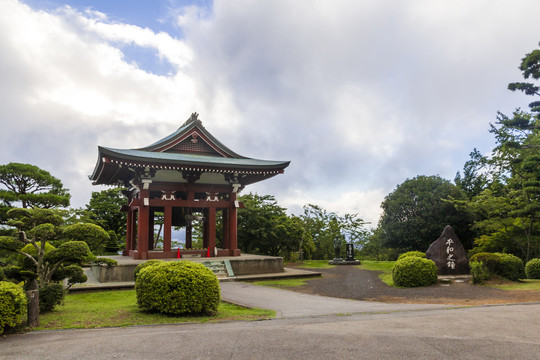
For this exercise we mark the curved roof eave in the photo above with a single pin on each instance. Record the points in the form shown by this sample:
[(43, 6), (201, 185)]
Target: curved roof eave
[(191, 160)]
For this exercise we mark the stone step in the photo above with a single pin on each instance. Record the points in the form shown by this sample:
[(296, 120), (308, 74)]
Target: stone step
[(219, 268)]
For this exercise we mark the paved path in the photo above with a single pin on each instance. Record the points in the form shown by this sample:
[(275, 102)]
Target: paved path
[(487, 332), (293, 304)]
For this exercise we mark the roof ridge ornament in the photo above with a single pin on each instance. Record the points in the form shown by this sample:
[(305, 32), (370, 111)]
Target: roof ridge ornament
[(194, 118)]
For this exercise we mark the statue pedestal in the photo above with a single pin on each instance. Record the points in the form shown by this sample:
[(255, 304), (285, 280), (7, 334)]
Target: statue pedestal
[(344, 262)]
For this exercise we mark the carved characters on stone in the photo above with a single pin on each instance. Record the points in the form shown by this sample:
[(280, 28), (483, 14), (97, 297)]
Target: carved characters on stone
[(448, 254)]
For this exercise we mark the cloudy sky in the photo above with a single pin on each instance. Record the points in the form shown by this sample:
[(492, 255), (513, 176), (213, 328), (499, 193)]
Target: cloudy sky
[(359, 95)]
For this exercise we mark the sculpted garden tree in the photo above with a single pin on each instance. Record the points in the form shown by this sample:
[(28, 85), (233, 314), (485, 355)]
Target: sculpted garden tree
[(40, 264), (415, 213), (29, 186)]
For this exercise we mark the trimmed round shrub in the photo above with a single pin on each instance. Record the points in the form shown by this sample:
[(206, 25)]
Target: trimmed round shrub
[(412, 253), (12, 305), (532, 269), (50, 296), (511, 267), (177, 287), (92, 234), (492, 261), (143, 265), (505, 265), (413, 271)]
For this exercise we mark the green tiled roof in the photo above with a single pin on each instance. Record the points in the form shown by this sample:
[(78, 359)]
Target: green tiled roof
[(190, 159)]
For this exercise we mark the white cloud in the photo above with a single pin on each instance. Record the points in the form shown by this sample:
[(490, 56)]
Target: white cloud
[(359, 95)]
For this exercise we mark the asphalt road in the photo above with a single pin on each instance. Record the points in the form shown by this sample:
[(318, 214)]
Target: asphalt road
[(487, 332)]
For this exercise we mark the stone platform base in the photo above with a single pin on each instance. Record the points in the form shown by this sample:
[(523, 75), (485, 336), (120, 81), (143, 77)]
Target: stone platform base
[(344, 262), (241, 265)]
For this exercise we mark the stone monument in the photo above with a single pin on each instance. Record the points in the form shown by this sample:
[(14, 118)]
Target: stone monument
[(448, 254), (350, 260)]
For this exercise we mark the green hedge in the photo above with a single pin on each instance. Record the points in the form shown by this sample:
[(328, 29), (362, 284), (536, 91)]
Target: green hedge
[(490, 260), (177, 287), (12, 305), (506, 265), (532, 269), (413, 271), (412, 253)]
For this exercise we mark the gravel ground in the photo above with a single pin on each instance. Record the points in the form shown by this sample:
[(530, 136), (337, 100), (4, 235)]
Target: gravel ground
[(351, 282)]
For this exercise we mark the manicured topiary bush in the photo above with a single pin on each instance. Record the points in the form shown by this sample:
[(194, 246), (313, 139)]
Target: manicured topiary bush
[(143, 265), (412, 271), (12, 305), (505, 265), (511, 267), (412, 253), (492, 261), (177, 287), (92, 234), (532, 269)]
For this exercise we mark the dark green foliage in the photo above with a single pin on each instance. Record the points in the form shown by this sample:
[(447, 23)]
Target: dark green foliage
[(112, 246), (511, 267), (12, 305), (413, 271), (17, 274), (3, 276), (415, 213), (50, 296), (412, 253), (264, 227), (492, 261), (70, 252), (532, 269), (10, 244), (109, 263), (104, 208), (479, 272), (506, 265), (31, 187), (29, 249), (145, 264), (182, 287), (92, 234), (27, 219)]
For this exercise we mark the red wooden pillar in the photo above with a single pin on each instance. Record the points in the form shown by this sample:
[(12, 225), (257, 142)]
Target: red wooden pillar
[(167, 231), (233, 242), (151, 216), (211, 230), (142, 236)]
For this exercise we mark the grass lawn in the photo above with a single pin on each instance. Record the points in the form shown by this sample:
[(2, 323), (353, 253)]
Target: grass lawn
[(385, 267), (312, 264), (119, 308), (525, 284), (283, 283)]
